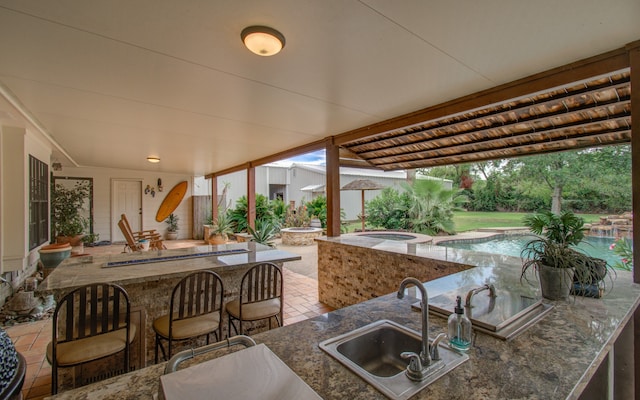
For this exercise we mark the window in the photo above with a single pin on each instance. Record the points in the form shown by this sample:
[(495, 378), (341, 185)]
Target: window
[(38, 202)]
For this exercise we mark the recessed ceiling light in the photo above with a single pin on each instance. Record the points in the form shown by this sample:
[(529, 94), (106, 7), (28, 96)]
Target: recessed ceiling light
[(262, 40), (153, 159)]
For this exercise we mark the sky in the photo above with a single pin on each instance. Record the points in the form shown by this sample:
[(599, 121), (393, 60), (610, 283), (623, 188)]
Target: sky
[(316, 157)]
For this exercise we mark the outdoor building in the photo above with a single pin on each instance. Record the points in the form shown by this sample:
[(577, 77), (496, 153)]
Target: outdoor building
[(295, 183)]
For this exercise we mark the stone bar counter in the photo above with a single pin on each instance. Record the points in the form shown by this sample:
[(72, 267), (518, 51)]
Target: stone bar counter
[(573, 352), (149, 278)]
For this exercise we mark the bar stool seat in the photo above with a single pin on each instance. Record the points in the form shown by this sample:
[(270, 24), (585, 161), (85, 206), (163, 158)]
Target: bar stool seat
[(186, 328), (254, 311), (91, 348)]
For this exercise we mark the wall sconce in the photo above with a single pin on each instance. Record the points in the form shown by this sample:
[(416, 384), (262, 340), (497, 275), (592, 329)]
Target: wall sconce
[(154, 160), (56, 166), (159, 185), (262, 40)]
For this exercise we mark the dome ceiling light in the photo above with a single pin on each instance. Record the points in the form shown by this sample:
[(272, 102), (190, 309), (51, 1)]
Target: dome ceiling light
[(262, 40), (153, 159)]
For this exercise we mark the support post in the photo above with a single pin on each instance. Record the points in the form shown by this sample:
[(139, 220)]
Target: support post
[(214, 198), (251, 196), (634, 65), (333, 189)]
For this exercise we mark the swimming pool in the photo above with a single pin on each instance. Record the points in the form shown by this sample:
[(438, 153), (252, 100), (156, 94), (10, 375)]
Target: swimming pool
[(512, 246)]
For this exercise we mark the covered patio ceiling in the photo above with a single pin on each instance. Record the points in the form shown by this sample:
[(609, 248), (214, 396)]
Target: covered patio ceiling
[(592, 113)]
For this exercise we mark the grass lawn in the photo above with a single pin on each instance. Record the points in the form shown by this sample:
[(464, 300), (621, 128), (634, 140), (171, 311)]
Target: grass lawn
[(471, 220)]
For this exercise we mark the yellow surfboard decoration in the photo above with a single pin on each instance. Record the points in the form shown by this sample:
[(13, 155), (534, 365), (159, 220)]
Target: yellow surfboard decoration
[(171, 201)]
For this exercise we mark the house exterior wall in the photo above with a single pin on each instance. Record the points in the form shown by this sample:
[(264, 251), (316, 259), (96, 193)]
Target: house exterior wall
[(102, 198), (17, 262), (17, 145)]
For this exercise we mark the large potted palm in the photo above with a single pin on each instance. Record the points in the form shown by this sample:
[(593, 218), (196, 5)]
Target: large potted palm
[(553, 256)]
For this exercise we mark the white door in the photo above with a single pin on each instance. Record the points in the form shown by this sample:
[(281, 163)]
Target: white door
[(126, 198)]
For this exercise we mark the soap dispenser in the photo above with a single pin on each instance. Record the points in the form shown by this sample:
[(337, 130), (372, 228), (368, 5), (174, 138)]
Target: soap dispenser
[(459, 328)]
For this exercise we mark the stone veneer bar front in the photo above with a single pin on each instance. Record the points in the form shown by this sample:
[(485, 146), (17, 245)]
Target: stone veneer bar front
[(352, 269)]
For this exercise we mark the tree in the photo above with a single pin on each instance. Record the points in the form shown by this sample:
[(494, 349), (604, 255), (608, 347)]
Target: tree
[(431, 208), (596, 179), (554, 170), (460, 174)]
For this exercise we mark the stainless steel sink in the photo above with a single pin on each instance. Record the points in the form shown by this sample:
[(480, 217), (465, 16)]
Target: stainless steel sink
[(373, 353)]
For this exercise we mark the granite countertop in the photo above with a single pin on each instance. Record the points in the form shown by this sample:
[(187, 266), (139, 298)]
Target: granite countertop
[(554, 359), (78, 271)]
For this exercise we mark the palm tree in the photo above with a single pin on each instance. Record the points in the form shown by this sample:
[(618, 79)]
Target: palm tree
[(432, 206)]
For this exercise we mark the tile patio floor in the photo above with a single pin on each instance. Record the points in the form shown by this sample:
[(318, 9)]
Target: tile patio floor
[(31, 339)]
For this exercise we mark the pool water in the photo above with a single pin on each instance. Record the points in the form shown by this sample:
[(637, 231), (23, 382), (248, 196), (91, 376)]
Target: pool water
[(512, 246)]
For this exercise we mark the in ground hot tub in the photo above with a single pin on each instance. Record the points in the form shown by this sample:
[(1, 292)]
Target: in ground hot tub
[(390, 236), (300, 236)]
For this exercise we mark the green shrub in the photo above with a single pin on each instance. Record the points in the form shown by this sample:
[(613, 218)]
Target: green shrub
[(389, 210)]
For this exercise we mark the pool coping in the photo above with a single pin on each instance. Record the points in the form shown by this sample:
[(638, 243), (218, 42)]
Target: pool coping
[(420, 238)]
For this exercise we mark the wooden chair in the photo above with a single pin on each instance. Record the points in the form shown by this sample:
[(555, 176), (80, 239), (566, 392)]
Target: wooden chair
[(260, 297), (90, 323), (150, 234), (195, 310), (133, 244)]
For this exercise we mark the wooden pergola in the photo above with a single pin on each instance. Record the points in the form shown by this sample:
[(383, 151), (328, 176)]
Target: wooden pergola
[(584, 104)]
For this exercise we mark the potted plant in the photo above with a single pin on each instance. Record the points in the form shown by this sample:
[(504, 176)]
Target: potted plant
[(559, 266), (220, 229), (172, 229), (90, 239), (66, 207)]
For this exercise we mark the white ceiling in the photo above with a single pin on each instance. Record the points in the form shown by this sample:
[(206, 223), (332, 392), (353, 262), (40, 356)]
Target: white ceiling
[(113, 82)]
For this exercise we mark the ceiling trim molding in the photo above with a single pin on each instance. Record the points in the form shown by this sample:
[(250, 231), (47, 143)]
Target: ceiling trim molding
[(11, 98)]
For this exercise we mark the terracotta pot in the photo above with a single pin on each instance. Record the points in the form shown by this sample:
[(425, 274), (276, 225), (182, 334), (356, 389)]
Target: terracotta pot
[(555, 283), (218, 239), (72, 240)]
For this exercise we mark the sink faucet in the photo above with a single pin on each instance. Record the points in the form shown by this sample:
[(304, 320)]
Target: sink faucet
[(425, 354), (473, 292)]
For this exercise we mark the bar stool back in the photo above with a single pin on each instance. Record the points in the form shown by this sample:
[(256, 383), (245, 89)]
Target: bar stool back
[(260, 297), (90, 323), (195, 310)]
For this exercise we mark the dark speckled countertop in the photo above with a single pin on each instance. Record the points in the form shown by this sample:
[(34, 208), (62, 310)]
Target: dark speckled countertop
[(554, 359)]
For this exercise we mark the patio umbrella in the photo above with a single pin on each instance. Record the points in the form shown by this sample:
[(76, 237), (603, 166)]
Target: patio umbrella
[(362, 185)]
